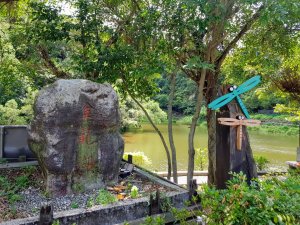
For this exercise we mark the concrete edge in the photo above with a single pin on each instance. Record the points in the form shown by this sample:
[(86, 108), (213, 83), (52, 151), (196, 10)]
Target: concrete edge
[(18, 164), (156, 178)]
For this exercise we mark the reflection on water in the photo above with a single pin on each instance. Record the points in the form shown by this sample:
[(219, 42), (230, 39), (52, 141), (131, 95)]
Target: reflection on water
[(276, 148)]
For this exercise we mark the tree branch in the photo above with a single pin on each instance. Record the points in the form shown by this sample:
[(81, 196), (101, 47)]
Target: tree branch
[(242, 32), (153, 125), (50, 64), (120, 28)]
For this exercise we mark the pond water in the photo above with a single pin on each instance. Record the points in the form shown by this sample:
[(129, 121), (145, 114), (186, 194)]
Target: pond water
[(276, 148)]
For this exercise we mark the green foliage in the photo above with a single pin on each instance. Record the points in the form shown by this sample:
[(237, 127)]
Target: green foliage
[(90, 202), (158, 116), (266, 201), (46, 194), (13, 114), (3, 161), (261, 162), (104, 197), (78, 187), (14, 198), (165, 202), (133, 116), (186, 120), (134, 192), (29, 170), (274, 129), (56, 222), (154, 220), (292, 110), (201, 158), (10, 189), (184, 99), (22, 181), (181, 215), (270, 117), (74, 205), (138, 158), (10, 114), (4, 185)]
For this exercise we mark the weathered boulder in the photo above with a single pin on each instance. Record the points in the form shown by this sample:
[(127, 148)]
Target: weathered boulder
[(75, 135)]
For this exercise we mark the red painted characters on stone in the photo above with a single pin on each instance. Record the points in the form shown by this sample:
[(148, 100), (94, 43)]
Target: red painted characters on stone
[(86, 112), (85, 130)]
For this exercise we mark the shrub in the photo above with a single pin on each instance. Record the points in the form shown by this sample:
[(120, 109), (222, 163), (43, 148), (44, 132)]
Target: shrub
[(261, 162), (270, 201), (132, 115), (138, 158), (134, 192), (104, 197), (201, 158), (11, 113)]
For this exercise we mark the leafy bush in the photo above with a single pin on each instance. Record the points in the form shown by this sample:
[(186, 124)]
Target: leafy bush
[(138, 158), (132, 115), (13, 114), (201, 158), (270, 201), (154, 221), (186, 120), (104, 197), (261, 162), (134, 192), (293, 111)]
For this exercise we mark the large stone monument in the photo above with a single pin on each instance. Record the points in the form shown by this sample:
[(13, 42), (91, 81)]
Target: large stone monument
[(75, 135)]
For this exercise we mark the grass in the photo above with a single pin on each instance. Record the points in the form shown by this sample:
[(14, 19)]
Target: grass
[(187, 120), (74, 205), (12, 181), (291, 130), (9, 189), (274, 117)]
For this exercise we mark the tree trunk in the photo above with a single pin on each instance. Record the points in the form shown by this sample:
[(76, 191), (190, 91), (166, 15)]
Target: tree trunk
[(158, 132), (211, 94), (170, 128), (195, 118)]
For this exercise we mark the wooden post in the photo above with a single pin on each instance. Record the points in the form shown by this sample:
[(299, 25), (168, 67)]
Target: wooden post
[(154, 206), (228, 158), (129, 158), (46, 215), (193, 194)]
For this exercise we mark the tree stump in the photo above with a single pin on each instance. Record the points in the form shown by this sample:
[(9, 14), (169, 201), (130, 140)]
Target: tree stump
[(228, 158)]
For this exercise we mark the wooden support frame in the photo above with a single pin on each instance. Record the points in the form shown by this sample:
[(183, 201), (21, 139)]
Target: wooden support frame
[(239, 125)]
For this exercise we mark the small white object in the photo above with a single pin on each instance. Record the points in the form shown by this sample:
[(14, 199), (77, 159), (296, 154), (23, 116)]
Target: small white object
[(200, 220)]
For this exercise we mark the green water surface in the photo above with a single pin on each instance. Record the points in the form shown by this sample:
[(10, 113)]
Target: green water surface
[(276, 148)]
